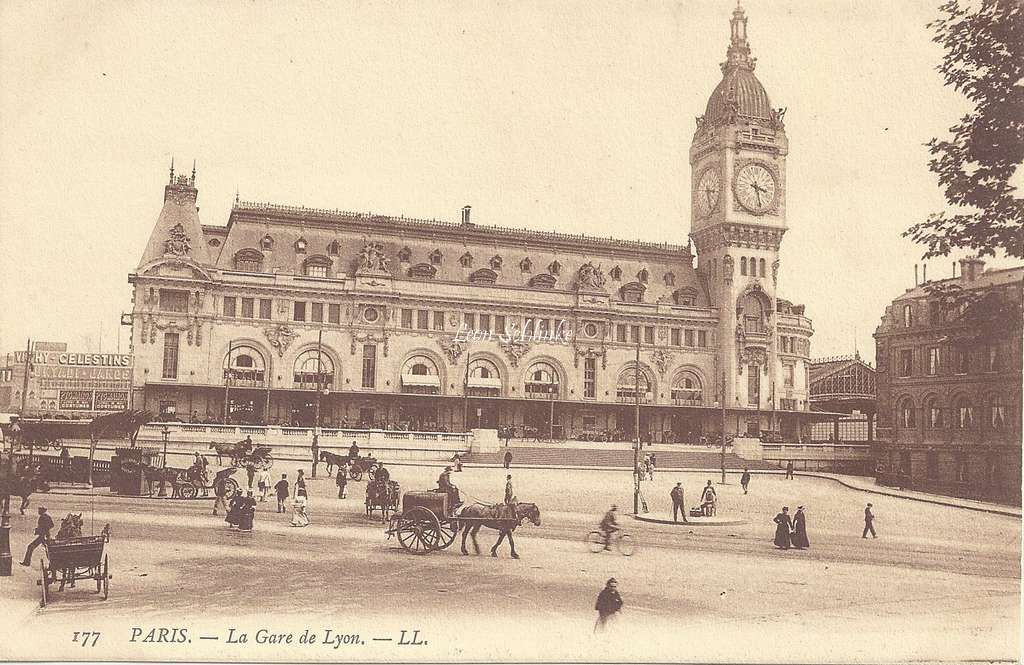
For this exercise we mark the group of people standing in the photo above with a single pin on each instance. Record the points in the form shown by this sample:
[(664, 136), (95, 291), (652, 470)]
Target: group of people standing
[(791, 531), (240, 509)]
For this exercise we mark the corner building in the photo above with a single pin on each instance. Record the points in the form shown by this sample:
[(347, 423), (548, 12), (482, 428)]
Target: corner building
[(291, 315)]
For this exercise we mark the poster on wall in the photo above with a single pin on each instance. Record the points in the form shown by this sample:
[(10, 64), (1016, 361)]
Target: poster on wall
[(75, 400), (111, 400)]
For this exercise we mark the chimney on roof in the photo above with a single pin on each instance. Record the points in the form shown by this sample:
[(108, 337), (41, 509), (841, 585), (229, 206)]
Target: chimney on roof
[(971, 268), (465, 214), (915, 275), (924, 273)]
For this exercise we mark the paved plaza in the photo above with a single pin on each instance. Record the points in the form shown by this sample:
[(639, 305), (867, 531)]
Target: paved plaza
[(939, 582)]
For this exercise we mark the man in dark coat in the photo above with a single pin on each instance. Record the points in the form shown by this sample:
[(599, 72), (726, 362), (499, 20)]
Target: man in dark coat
[(800, 529), (43, 527), (382, 475), (789, 470), (353, 451), (745, 480), (342, 480), (283, 492), (508, 457), (783, 529), (608, 604), (444, 484), (233, 517), (869, 523), (508, 489), (246, 512), (677, 503)]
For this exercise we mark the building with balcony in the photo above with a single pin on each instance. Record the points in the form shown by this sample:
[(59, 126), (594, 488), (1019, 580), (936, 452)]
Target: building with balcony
[(292, 315), (949, 385)]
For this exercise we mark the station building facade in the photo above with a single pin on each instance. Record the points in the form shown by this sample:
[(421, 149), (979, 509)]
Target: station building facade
[(292, 315), (949, 385)]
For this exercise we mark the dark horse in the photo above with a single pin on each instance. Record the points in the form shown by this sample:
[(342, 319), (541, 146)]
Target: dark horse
[(22, 484), (382, 496), (333, 460), (503, 518)]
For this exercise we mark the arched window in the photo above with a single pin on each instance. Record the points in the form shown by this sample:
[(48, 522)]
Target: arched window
[(245, 366), (934, 418), (997, 413), (421, 375), (267, 243), (554, 267), (484, 378), (615, 273), (626, 386), (908, 316), (316, 266), (435, 257), (542, 381), (743, 265), (466, 261), (334, 248), (526, 265), (760, 265), (300, 246), (670, 278), (632, 292), (249, 260), (643, 276), (963, 414), (687, 389), (753, 313), (906, 415), (305, 374), (404, 254), (496, 262)]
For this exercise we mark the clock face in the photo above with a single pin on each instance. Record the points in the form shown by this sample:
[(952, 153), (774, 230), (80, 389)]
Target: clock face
[(755, 188), (708, 191)]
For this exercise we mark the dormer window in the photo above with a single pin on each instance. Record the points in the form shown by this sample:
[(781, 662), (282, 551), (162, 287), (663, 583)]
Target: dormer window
[(615, 273), (643, 276), (404, 254), (267, 243), (249, 260), (495, 262), (555, 267), (466, 261), (334, 248), (300, 246), (316, 266), (436, 257), (670, 279), (526, 265), (632, 292)]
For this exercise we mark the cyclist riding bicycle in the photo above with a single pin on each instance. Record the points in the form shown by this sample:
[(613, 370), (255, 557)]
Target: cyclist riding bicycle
[(608, 526)]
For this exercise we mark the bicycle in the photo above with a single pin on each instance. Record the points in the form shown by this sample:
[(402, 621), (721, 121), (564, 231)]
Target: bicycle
[(624, 542)]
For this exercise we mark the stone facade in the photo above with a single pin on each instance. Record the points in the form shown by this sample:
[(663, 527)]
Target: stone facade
[(290, 314), (949, 386)]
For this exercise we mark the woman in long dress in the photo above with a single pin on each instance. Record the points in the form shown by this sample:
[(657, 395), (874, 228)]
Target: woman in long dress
[(235, 504), (246, 512), (783, 530), (800, 529), (299, 516)]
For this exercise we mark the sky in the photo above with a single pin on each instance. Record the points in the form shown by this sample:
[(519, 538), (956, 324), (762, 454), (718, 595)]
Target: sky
[(566, 116)]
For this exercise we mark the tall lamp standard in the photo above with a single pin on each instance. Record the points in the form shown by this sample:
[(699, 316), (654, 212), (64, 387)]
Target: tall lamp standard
[(165, 434), (723, 429)]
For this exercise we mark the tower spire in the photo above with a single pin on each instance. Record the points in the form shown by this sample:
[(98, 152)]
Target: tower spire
[(172, 170), (193, 181), (738, 53)]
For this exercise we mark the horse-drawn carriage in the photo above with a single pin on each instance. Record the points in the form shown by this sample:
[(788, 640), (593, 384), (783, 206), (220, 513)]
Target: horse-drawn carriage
[(244, 454), (72, 557), (357, 466), (428, 522)]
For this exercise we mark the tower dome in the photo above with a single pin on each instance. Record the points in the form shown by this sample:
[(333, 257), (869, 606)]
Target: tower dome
[(739, 95)]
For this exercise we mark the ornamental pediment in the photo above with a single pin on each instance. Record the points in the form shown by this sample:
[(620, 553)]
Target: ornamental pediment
[(179, 266)]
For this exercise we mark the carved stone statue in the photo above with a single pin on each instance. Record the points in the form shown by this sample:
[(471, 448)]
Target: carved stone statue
[(280, 337), (372, 258), (177, 243), (515, 349), (590, 276), (727, 268), (452, 347), (775, 271)]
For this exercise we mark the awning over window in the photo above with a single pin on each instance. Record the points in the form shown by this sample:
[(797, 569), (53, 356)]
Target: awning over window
[(421, 380), (481, 382)]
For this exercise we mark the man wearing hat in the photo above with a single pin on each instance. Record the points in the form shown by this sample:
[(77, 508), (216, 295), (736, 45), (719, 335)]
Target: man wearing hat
[(609, 602), (508, 489), (677, 503), (43, 527), (608, 526), (869, 523), (444, 484)]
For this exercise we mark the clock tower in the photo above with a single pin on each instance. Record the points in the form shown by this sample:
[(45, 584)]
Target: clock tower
[(738, 204)]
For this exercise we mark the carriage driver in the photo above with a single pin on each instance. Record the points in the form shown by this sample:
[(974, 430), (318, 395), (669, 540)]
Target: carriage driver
[(608, 526), (382, 475), (444, 484)]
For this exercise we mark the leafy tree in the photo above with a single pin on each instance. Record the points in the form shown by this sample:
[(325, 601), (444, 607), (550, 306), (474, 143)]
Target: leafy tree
[(984, 43)]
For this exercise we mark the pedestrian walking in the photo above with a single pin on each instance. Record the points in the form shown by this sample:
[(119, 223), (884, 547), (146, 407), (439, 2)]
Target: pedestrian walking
[(246, 512), (508, 489), (508, 457), (220, 491), (263, 484), (43, 527), (342, 480), (299, 515), (283, 492), (250, 472), (789, 470), (869, 523), (677, 503), (316, 452), (783, 529), (800, 529), (608, 604), (745, 480), (233, 518)]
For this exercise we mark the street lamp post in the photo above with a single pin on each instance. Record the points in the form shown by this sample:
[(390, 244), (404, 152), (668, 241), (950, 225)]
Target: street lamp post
[(723, 428), (165, 434)]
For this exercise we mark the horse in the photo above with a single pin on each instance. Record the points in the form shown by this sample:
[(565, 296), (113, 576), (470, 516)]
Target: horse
[(22, 484), (332, 459), (504, 518), (382, 496), (231, 450)]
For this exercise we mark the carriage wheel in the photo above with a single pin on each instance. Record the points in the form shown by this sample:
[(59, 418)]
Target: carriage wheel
[(44, 585), (355, 474), (595, 540), (418, 530), (106, 578), (230, 486), (188, 491), (625, 544), (447, 532)]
